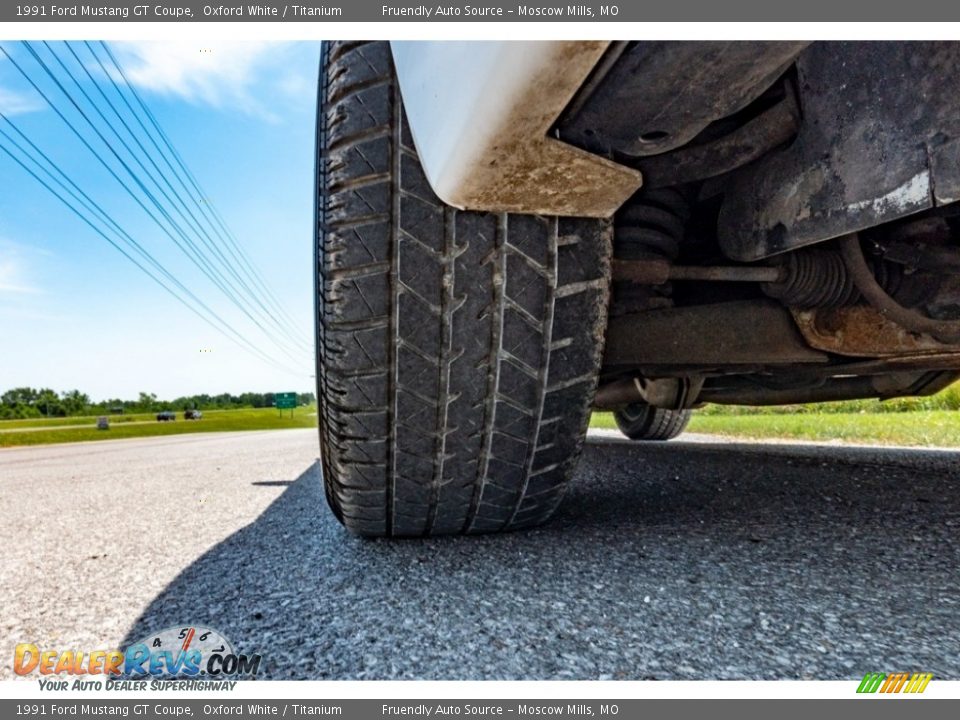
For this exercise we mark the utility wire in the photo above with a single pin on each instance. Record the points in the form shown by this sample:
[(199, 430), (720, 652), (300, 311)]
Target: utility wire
[(203, 202), (62, 180), (202, 199), (105, 218), (126, 167), (198, 257), (226, 330), (194, 224)]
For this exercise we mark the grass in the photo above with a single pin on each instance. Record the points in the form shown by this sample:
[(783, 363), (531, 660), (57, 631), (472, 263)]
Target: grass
[(79, 420), (33, 432), (920, 428), (932, 421), (921, 422)]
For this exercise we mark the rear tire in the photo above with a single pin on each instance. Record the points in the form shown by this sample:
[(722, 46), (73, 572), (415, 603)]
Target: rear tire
[(645, 422), (457, 352)]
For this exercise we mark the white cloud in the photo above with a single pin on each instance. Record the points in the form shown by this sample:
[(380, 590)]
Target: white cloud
[(15, 103), (244, 76), (14, 269), (11, 278)]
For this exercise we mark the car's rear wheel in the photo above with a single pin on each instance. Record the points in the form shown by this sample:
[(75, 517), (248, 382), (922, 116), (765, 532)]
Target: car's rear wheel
[(645, 422), (457, 351)]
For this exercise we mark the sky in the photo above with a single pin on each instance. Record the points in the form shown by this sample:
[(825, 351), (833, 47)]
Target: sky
[(74, 312)]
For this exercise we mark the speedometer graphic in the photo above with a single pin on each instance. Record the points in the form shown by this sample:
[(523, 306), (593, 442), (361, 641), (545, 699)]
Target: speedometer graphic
[(185, 650)]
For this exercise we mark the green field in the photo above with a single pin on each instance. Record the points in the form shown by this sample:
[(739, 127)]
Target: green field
[(74, 429), (897, 423), (80, 420), (919, 428), (932, 421)]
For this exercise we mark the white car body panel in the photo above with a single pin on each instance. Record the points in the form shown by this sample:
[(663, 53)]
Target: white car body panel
[(480, 112)]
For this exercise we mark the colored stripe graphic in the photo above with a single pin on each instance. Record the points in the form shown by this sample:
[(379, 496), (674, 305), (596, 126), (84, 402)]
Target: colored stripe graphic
[(894, 683), (918, 683), (871, 682)]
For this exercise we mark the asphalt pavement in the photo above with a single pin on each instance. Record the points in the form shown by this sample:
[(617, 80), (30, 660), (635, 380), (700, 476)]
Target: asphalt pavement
[(693, 559)]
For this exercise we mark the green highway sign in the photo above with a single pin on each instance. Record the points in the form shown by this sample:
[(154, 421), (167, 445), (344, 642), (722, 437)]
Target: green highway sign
[(285, 400)]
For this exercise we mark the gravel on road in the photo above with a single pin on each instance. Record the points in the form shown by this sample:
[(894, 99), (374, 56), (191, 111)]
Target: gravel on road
[(692, 559)]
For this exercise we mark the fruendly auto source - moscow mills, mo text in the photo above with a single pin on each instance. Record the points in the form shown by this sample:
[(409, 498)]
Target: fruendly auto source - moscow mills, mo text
[(532, 11)]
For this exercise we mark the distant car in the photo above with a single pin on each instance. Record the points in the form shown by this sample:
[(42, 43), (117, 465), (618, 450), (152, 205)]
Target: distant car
[(192, 414), (166, 416)]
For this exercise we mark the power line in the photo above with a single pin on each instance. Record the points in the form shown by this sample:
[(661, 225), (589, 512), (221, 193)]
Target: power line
[(198, 256), (133, 175), (194, 224), (226, 330), (204, 203), (89, 204)]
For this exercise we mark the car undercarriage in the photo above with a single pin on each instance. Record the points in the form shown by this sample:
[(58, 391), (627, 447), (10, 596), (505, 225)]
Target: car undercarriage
[(795, 238), (642, 227)]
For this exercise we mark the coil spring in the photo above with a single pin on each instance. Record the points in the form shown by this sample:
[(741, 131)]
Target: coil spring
[(651, 224), (816, 278)]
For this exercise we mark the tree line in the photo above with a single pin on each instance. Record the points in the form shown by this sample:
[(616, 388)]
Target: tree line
[(28, 402)]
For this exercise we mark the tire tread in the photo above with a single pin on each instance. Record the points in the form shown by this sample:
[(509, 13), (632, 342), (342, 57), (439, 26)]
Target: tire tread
[(649, 423), (457, 351)]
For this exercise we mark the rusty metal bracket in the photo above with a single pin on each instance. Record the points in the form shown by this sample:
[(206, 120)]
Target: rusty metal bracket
[(861, 331), (880, 140)]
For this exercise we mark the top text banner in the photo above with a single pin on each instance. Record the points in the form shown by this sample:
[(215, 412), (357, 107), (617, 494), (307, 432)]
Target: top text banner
[(739, 11)]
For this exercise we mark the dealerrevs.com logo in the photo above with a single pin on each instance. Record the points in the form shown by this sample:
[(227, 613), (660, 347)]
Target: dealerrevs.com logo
[(190, 652)]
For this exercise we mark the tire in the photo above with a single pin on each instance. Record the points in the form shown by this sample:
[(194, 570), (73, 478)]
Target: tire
[(645, 422), (457, 352)]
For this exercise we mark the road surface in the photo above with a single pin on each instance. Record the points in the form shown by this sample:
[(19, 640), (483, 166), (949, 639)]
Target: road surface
[(694, 559)]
